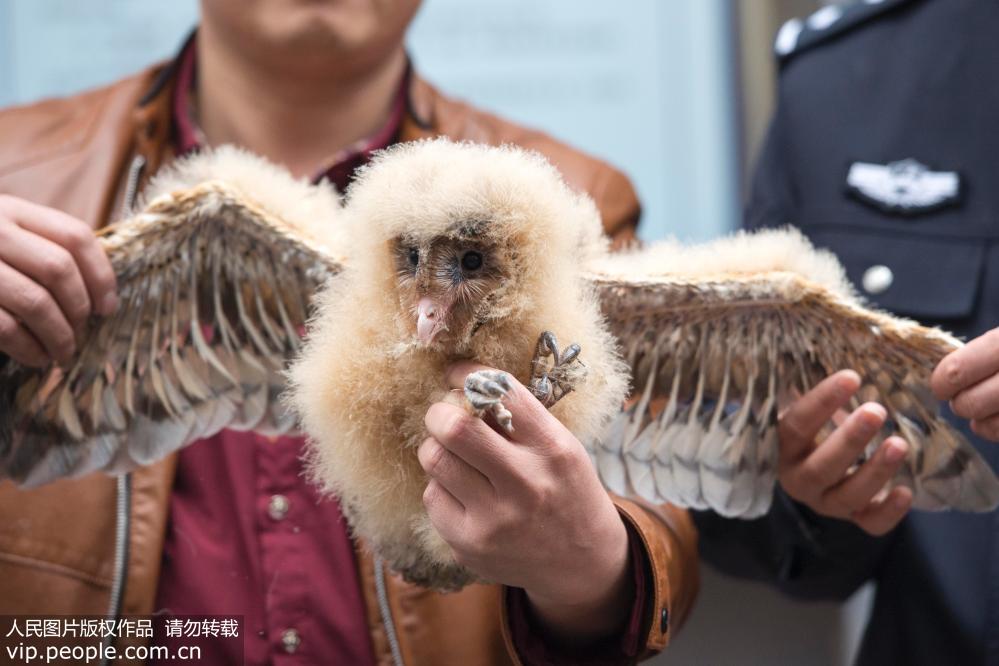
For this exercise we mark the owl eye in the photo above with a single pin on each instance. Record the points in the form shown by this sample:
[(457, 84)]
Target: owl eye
[(471, 261), (414, 256)]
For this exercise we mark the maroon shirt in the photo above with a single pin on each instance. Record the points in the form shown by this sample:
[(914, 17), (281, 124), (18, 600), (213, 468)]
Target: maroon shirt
[(247, 535)]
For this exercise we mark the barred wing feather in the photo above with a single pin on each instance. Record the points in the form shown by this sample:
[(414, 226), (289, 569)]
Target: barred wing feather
[(720, 337), (213, 292)]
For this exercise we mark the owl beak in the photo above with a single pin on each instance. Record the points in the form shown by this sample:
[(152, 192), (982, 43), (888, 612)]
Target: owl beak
[(430, 319)]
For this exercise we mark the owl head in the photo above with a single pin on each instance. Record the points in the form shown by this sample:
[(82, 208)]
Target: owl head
[(466, 236)]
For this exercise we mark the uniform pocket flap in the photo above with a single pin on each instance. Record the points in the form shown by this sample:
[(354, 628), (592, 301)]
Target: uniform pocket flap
[(923, 278)]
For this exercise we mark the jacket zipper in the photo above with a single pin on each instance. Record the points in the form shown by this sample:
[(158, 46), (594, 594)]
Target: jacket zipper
[(123, 503), (123, 519), (381, 591), (132, 184)]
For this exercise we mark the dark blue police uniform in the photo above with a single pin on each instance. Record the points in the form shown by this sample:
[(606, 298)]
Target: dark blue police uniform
[(885, 149)]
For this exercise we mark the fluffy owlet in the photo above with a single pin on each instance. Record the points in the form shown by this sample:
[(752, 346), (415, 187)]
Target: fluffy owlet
[(460, 251)]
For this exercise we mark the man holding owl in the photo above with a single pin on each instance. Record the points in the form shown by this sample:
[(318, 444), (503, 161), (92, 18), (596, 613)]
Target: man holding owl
[(229, 526)]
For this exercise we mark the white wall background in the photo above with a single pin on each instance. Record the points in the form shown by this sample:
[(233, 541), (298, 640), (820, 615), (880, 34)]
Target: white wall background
[(645, 84), (53, 47)]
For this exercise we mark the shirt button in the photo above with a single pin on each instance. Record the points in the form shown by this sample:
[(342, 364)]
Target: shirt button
[(877, 279), (290, 640), (277, 507)]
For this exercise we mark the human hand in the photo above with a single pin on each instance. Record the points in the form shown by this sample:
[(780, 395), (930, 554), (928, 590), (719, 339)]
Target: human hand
[(527, 510), (969, 378), (820, 475), (53, 274)]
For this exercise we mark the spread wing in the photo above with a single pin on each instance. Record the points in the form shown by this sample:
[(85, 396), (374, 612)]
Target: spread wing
[(214, 292), (720, 337)]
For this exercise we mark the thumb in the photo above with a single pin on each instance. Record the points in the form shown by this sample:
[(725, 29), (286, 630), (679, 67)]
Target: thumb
[(533, 425)]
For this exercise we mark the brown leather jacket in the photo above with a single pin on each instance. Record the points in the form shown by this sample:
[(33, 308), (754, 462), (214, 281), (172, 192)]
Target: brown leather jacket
[(58, 544)]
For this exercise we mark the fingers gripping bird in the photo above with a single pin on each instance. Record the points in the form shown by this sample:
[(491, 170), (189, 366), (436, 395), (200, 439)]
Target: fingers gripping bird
[(448, 251)]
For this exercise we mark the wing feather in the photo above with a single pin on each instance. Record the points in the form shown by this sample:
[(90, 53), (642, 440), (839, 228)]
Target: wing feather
[(720, 338), (211, 289)]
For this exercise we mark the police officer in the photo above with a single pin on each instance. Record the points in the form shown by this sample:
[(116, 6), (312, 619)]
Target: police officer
[(885, 149)]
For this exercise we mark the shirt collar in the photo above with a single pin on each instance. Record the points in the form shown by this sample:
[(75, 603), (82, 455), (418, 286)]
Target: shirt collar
[(188, 137)]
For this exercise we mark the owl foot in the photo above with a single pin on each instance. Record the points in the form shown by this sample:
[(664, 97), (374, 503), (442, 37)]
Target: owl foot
[(485, 391), (552, 380)]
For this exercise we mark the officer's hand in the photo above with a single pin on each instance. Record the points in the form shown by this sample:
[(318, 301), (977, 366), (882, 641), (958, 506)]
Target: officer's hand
[(820, 475), (53, 274), (969, 378), (527, 510)]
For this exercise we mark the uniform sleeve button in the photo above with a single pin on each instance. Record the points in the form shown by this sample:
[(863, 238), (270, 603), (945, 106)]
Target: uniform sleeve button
[(877, 279), (663, 621)]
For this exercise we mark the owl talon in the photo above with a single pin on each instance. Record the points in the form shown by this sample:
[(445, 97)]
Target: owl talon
[(552, 380), (485, 391)]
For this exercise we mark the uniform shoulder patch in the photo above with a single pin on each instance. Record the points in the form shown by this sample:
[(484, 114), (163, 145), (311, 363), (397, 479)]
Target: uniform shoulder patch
[(798, 34)]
